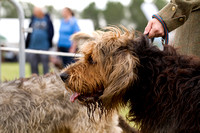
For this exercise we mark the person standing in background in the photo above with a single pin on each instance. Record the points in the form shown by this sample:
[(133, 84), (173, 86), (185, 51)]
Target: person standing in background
[(68, 27), (40, 39)]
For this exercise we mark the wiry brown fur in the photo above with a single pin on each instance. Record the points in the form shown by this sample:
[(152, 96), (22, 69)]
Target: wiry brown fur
[(162, 88), (40, 104), (97, 69), (79, 38)]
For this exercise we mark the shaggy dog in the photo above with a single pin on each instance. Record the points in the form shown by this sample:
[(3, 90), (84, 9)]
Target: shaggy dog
[(161, 87), (40, 104)]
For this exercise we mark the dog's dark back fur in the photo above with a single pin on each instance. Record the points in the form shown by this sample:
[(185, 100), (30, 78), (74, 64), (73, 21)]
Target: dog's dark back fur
[(167, 92)]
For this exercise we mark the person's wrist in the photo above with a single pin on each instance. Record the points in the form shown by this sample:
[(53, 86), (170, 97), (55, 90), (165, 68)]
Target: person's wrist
[(156, 16)]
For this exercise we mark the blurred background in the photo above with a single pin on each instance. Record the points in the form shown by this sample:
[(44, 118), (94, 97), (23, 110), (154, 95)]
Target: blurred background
[(92, 15)]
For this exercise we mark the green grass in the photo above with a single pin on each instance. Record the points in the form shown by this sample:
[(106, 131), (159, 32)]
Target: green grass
[(10, 70), (123, 112)]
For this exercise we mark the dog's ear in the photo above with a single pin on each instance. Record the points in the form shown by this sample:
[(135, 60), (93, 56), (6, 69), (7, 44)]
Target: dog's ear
[(80, 38), (121, 73)]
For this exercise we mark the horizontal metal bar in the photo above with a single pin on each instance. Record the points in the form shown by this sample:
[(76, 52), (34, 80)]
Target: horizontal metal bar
[(41, 52)]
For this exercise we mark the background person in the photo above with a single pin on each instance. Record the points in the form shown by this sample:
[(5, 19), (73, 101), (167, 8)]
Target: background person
[(39, 39), (68, 27), (182, 15)]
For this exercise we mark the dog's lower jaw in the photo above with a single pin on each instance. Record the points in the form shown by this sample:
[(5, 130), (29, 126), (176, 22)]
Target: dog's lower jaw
[(85, 97)]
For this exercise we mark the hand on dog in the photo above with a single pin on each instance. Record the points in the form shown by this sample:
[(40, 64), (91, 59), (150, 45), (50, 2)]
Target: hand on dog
[(154, 29)]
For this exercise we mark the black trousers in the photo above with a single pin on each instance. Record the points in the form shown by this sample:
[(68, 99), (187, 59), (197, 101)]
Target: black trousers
[(65, 59)]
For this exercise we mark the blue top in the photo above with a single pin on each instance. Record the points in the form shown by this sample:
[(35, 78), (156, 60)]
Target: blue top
[(39, 37), (67, 28)]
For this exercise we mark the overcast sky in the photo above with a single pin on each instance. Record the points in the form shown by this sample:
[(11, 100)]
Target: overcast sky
[(73, 4)]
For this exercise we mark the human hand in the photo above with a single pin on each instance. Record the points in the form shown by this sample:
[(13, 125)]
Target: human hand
[(154, 29), (73, 48)]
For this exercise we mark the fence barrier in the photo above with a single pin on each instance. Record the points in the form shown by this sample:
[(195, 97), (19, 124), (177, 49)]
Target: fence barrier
[(36, 52), (41, 52)]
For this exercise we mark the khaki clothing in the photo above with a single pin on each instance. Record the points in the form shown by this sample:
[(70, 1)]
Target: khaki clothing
[(184, 16)]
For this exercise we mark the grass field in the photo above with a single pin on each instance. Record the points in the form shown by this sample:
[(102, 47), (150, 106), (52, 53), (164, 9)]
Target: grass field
[(10, 70)]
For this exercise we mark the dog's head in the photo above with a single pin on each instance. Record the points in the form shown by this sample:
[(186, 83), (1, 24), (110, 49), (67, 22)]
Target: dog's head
[(106, 70)]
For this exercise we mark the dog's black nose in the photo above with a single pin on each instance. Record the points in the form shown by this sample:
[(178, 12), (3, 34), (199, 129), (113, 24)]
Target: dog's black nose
[(64, 76)]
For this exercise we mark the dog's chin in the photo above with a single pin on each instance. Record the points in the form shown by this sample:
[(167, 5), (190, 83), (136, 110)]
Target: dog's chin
[(87, 99)]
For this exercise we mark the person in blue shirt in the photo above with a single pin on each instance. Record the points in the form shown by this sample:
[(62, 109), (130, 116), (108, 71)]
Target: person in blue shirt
[(40, 39), (68, 27)]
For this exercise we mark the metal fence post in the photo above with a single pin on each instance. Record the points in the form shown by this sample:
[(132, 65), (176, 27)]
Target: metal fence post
[(0, 46), (0, 63), (22, 57)]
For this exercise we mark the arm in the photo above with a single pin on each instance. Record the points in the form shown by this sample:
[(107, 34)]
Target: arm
[(27, 40), (73, 48), (50, 30), (74, 44), (173, 14), (177, 12)]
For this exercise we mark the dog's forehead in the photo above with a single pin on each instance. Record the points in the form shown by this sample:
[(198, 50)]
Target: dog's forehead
[(113, 38)]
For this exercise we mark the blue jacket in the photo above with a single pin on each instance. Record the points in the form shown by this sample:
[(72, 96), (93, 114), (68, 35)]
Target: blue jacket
[(67, 28), (50, 31)]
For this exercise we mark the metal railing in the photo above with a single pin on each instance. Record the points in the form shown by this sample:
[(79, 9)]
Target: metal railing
[(38, 52), (41, 52), (22, 56)]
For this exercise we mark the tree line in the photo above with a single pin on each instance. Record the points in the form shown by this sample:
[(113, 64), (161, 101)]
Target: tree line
[(115, 13)]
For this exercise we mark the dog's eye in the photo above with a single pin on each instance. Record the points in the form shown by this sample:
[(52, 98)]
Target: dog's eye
[(90, 60)]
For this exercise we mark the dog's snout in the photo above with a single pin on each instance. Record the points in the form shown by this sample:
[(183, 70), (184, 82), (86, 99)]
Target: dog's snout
[(64, 76)]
